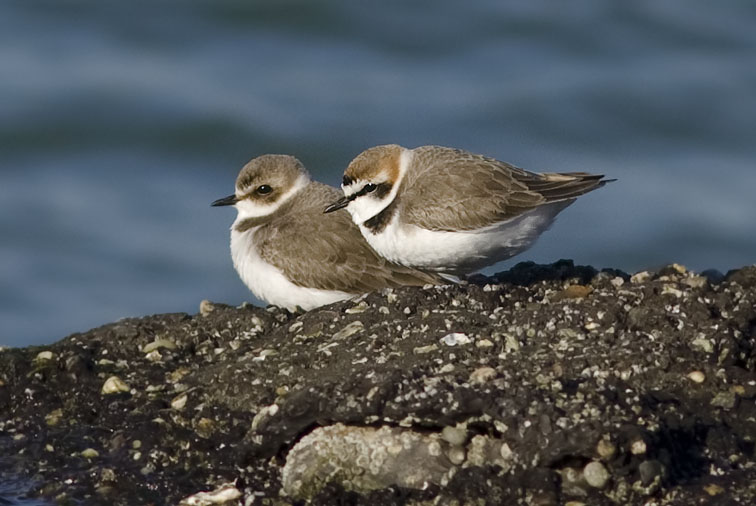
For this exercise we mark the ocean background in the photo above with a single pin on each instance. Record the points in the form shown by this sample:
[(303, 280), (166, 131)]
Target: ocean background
[(120, 122)]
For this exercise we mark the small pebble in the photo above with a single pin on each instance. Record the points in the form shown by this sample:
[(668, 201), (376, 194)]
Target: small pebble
[(424, 349), (206, 307), (671, 290), (595, 474), (349, 330), (606, 449), (713, 489), (695, 281), (703, 344), (179, 402), (358, 308), (114, 385), (454, 435), (574, 292), (90, 453), (53, 418), (158, 343), (482, 375), (697, 376), (455, 338), (638, 447), (649, 470), (640, 277), (223, 494), (205, 427), (681, 269), (573, 482), (725, 400), (456, 455), (43, 356), (154, 356), (282, 390)]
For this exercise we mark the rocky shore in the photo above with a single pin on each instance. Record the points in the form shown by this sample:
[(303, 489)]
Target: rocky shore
[(543, 385)]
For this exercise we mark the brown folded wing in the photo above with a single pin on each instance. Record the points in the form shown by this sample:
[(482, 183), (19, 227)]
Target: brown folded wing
[(458, 190), (327, 251)]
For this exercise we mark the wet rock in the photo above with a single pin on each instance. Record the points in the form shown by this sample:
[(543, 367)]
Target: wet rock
[(512, 389)]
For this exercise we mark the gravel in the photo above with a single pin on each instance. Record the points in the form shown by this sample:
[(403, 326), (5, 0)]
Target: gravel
[(545, 384)]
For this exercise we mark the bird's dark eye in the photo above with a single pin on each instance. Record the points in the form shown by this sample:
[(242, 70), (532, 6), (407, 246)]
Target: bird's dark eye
[(264, 189), (370, 187)]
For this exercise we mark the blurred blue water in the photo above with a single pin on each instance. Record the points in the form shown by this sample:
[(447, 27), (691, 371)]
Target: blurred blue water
[(121, 121)]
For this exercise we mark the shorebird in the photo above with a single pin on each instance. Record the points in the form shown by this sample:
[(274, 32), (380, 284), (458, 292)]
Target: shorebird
[(448, 210), (291, 255)]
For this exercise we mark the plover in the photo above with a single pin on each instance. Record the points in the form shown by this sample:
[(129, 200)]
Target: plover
[(449, 210), (288, 253)]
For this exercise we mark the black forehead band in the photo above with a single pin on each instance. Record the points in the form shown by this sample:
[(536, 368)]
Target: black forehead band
[(347, 181)]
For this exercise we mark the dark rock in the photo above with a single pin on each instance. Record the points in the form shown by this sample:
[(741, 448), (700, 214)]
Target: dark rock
[(650, 470), (541, 385)]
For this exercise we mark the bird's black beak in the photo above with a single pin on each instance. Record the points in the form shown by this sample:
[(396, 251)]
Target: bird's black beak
[(339, 204), (225, 201)]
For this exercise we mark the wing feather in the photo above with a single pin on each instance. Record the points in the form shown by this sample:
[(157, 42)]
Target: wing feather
[(451, 189), (327, 251)]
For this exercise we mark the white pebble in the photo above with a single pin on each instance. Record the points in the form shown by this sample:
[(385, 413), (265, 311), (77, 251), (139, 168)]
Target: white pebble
[(455, 338), (697, 376), (114, 385)]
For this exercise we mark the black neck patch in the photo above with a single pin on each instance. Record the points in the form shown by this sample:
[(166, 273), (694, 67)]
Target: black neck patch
[(377, 223)]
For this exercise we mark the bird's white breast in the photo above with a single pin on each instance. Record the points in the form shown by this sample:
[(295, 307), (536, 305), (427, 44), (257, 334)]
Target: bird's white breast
[(460, 252), (268, 283)]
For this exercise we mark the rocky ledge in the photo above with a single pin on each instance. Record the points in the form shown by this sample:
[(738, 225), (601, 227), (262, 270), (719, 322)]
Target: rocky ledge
[(542, 385)]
